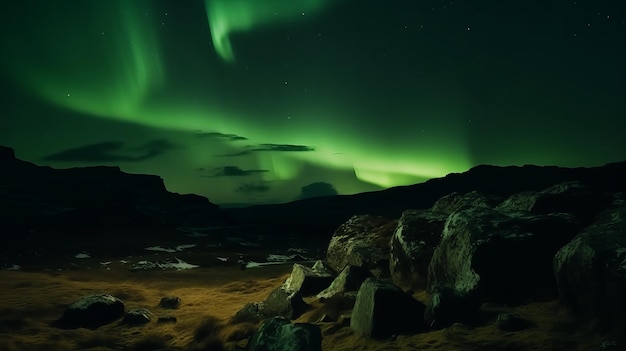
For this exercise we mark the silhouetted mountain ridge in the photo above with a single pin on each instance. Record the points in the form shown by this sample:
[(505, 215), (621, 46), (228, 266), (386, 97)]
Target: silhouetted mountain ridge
[(320, 216)]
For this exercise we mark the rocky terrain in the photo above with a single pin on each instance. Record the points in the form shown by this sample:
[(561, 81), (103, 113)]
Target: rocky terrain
[(496, 258)]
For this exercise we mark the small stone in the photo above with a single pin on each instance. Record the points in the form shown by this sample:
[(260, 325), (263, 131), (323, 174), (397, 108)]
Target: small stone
[(171, 302)]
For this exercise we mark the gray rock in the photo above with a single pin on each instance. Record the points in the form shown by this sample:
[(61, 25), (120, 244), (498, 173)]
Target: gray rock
[(91, 312), (167, 319), (591, 270), (172, 302), (279, 334), (280, 302), (251, 313), (362, 241), (412, 245), (383, 310), (309, 281), (137, 317), (500, 257), (349, 279)]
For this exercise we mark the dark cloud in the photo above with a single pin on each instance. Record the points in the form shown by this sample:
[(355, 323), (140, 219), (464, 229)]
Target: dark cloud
[(269, 147), (284, 148), (316, 190), (234, 171), (222, 136), (236, 154), (154, 148), (253, 188), (112, 151)]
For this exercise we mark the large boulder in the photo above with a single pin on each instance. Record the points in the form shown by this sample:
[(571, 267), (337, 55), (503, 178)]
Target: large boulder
[(91, 312), (362, 241), (412, 245), (591, 270), (500, 257), (309, 281), (382, 310), (279, 334)]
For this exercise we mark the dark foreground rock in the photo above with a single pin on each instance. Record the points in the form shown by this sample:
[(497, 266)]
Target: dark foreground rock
[(382, 310), (446, 307), (279, 334), (591, 271), (91, 312)]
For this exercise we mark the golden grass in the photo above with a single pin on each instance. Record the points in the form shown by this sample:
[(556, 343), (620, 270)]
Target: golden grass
[(211, 296)]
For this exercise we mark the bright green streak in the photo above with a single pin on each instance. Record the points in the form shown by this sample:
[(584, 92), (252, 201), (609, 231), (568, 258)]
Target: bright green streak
[(114, 67), (229, 16)]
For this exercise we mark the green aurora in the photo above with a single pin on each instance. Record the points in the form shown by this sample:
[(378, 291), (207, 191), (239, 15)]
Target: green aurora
[(273, 97)]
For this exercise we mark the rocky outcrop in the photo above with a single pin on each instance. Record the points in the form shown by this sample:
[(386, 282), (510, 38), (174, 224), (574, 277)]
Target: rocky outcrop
[(591, 270), (382, 310), (499, 257), (279, 334), (412, 245), (455, 201), (284, 303), (91, 312), (570, 197), (362, 241)]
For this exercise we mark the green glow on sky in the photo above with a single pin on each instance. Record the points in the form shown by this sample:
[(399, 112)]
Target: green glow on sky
[(231, 16), (424, 104), (112, 77)]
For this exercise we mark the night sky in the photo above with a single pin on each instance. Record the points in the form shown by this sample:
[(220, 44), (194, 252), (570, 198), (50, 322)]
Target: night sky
[(261, 101)]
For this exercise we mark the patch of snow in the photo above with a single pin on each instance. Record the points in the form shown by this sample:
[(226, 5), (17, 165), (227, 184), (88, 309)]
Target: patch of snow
[(249, 244), (170, 250), (104, 264), (300, 251), (186, 246), (180, 265), (159, 248), (223, 259), (82, 255), (13, 268), (123, 261), (285, 258), (276, 258), (253, 264)]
